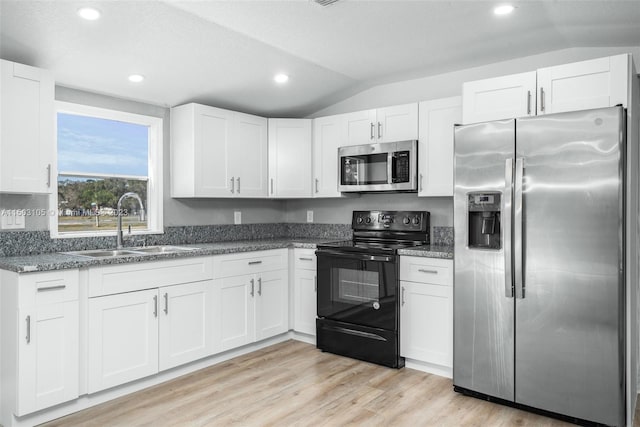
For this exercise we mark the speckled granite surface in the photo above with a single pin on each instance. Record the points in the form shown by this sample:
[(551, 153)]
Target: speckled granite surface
[(442, 236), (60, 261), (429, 251)]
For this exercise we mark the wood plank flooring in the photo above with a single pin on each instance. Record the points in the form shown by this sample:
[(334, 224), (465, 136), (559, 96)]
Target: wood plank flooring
[(294, 384)]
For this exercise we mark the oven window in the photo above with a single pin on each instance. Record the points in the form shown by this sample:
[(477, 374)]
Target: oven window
[(362, 170), (357, 286)]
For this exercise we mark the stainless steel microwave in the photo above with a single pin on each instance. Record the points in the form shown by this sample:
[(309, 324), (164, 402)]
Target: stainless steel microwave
[(389, 166)]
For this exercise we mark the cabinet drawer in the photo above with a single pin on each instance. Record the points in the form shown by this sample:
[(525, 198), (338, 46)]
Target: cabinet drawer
[(114, 279), (305, 259), (48, 287), (249, 262), (426, 270)]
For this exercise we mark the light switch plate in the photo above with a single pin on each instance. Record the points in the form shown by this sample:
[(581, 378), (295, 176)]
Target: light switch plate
[(237, 217), (12, 220), (309, 216)]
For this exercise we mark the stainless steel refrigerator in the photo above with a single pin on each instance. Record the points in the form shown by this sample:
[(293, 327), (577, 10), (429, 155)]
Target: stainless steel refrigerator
[(539, 263)]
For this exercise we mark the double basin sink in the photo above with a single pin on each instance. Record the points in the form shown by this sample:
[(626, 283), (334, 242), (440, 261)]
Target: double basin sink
[(116, 253)]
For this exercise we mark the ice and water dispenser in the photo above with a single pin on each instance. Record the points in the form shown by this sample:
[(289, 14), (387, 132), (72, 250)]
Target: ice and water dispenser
[(484, 220)]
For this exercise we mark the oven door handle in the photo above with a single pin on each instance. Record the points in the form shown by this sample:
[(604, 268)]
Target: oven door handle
[(358, 256)]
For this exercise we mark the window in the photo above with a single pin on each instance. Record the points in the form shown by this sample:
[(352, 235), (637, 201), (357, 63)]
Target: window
[(101, 155)]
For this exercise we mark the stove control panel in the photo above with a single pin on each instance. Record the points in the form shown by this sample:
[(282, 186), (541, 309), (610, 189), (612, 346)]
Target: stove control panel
[(391, 220)]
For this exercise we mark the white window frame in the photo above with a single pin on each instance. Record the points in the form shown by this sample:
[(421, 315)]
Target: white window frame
[(154, 210)]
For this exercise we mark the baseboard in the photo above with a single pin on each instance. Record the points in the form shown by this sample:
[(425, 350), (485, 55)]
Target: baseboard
[(430, 368)]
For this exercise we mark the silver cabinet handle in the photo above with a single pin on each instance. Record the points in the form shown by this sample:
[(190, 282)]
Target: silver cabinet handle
[(305, 259), (252, 285), (317, 182), (372, 128), (28, 337), (422, 270), (506, 220), (233, 185), (517, 229), (402, 297), (155, 306), (421, 188), (260, 286), (51, 288), (542, 106), (166, 303), (528, 102), (271, 185), (238, 179), (49, 175), (379, 130), (255, 262)]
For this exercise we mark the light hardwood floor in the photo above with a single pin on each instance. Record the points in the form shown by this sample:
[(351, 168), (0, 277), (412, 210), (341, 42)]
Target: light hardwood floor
[(294, 384)]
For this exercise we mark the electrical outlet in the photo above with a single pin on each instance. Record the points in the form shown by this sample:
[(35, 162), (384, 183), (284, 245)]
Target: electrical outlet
[(237, 217), (309, 216), (12, 220)]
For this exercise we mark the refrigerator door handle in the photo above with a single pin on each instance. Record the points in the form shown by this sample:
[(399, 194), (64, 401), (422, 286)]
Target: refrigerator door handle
[(506, 235), (517, 229)]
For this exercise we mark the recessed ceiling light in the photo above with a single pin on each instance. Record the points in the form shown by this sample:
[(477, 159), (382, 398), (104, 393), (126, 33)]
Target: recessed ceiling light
[(89, 13), (281, 78), (136, 78), (504, 9)]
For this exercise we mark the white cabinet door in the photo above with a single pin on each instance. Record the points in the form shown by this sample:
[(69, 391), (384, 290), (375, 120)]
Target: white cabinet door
[(397, 123), (48, 356), (360, 128), (187, 316), (249, 157), (211, 155), (435, 152), (236, 308), (290, 157), (305, 301), (583, 85), (328, 133), (122, 338), (426, 322), (272, 304), (26, 129), (499, 98)]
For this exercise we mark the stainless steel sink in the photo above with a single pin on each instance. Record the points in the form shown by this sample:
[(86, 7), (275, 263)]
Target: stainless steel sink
[(115, 253), (163, 249), (101, 253)]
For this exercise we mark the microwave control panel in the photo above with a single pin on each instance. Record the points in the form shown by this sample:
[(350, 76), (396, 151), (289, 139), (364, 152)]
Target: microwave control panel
[(400, 167)]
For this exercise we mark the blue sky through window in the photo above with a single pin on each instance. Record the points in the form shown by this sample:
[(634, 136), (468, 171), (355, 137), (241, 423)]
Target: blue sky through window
[(95, 145)]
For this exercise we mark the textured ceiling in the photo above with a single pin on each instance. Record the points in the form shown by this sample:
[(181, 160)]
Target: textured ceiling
[(225, 53)]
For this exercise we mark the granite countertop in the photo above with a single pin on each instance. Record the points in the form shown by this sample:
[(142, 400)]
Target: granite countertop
[(429, 251), (61, 260)]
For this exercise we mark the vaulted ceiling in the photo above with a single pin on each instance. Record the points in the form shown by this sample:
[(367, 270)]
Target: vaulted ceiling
[(225, 53)]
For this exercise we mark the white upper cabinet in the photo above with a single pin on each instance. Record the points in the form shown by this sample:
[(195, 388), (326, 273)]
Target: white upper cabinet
[(435, 149), (499, 98), (583, 85), (328, 133), (290, 158), (580, 85), (217, 153), (27, 132), (389, 124)]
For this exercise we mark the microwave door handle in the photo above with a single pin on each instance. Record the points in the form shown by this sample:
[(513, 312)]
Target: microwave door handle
[(390, 167)]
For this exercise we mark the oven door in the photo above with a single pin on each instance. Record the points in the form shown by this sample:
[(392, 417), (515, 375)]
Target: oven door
[(358, 288)]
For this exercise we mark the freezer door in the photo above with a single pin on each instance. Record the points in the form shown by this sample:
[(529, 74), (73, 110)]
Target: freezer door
[(569, 309), (483, 305)]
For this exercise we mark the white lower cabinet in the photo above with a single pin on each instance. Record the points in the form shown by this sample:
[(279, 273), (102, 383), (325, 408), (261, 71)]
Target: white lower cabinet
[(122, 338), (39, 320), (254, 306), (187, 330), (426, 313), (305, 291)]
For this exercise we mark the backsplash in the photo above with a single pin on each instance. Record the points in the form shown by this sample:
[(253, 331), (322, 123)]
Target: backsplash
[(442, 236), (19, 243)]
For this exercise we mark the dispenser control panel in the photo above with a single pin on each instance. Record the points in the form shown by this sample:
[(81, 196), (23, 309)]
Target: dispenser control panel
[(482, 202)]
